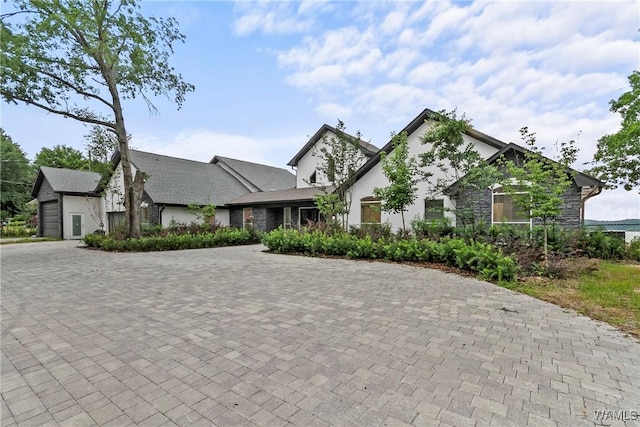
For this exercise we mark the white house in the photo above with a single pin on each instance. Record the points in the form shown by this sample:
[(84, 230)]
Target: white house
[(265, 197)]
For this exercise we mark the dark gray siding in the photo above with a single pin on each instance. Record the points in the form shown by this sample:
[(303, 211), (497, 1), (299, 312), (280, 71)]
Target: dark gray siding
[(46, 193), (481, 204), (154, 210), (260, 218)]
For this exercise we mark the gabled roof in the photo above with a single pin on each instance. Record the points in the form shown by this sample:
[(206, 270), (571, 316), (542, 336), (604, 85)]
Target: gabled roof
[(580, 179), (412, 127), (262, 177), (367, 149), (292, 195), (67, 181), (175, 181)]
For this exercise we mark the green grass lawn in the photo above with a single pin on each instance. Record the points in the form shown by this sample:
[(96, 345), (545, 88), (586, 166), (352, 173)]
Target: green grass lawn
[(610, 294), (13, 240)]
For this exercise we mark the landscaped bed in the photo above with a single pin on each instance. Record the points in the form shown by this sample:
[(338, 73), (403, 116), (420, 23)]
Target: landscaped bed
[(175, 238)]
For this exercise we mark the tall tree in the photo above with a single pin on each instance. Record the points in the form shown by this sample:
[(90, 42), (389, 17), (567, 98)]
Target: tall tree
[(617, 160), (401, 170), (338, 160), (62, 156), (82, 59), (537, 184), (16, 176), (450, 159)]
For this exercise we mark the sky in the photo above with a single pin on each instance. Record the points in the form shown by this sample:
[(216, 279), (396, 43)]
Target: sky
[(269, 74)]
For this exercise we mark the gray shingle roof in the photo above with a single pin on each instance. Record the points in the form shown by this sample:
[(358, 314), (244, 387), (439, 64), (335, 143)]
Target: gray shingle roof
[(69, 180), (291, 195), (177, 181), (265, 178)]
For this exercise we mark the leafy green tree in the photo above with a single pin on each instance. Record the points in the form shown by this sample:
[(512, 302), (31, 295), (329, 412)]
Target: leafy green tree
[(401, 170), (100, 145), (617, 160), (338, 160), (451, 160), (16, 176), (544, 181), (62, 156), (82, 59)]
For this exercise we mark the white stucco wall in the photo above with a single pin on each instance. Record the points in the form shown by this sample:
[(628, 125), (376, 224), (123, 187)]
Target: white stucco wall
[(91, 208), (114, 193), (307, 165), (222, 216), (375, 178), (178, 214), (182, 215)]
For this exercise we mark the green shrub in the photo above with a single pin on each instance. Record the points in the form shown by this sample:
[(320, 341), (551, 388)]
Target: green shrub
[(633, 250), (168, 242), (17, 231), (479, 257), (430, 229), (374, 231), (598, 244)]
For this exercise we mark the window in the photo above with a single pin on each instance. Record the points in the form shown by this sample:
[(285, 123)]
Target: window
[(433, 209), (286, 218), (313, 178), (506, 210), (247, 221), (370, 212), (308, 216)]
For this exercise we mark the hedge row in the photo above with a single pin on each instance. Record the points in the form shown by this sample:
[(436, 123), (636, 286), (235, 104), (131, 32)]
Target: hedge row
[(170, 242), (481, 258)]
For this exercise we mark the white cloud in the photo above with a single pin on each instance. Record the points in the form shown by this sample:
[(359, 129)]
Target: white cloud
[(393, 22), (614, 205), (428, 72), (332, 112), (203, 144), (271, 18), (325, 76)]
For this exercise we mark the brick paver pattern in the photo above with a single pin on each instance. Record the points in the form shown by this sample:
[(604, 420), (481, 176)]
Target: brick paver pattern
[(240, 337)]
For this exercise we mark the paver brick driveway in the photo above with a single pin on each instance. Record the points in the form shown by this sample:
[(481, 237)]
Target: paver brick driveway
[(235, 336)]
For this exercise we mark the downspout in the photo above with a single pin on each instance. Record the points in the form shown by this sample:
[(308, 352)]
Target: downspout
[(593, 193)]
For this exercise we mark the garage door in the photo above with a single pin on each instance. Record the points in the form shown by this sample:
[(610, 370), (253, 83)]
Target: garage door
[(51, 219)]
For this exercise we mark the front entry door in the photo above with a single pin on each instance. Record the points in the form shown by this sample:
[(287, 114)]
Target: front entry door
[(77, 226)]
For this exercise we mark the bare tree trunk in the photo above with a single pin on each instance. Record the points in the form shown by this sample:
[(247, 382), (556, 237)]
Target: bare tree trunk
[(404, 229), (132, 188), (137, 189)]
